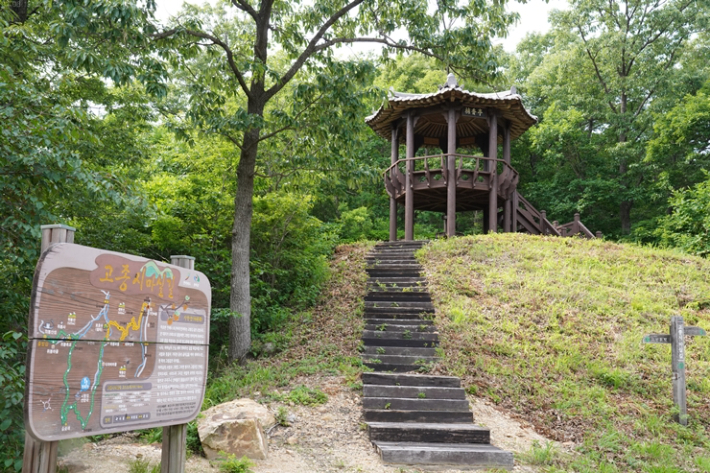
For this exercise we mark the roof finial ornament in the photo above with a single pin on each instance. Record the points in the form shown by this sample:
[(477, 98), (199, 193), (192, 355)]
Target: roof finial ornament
[(451, 81)]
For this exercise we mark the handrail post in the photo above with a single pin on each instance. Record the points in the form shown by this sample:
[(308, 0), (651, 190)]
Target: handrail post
[(493, 156), (451, 185), (393, 201), (508, 205), (409, 192), (543, 222)]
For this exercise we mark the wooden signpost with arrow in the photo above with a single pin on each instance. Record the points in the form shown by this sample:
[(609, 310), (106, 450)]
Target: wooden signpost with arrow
[(676, 338)]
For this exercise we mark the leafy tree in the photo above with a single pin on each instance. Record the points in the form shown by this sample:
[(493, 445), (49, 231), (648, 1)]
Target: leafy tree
[(53, 56), (609, 68), (245, 76), (687, 226)]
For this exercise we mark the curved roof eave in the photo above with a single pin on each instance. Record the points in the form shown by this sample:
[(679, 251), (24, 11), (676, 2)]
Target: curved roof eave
[(509, 102)]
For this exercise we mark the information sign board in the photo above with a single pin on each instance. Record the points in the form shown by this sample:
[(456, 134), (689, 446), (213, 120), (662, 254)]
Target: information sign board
[(117, 342)]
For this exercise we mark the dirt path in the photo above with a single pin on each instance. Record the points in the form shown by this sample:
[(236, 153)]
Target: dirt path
[(322, 439)]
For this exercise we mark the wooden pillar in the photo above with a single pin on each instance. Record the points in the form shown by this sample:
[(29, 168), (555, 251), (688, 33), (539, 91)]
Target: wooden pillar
[(173, 455), (409, 192), (393, 202), (451, 166), (39, 456), (508, 205), (493, 154)]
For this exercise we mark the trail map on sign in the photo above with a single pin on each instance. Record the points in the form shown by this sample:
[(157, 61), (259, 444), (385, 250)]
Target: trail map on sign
[(117, 342)]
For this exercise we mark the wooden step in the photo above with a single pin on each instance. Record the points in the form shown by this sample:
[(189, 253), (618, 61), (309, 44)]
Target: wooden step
[(399, 343), (410, 311), (397, 327), (411, 380), (411, 351), (417, 417), (398, 296), (401, 243), (412, 334), (399, 321), (373, 289), (399, 359), (394, 272), (409, 404), (399, 304), (476, 456), (417, 281), (418, 392), (428, 432), (385, 368)]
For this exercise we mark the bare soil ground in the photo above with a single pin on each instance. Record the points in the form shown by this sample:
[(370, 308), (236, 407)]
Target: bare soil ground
[(323, 439)]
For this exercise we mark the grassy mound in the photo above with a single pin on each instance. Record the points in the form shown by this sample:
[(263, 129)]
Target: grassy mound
[(551, 329)]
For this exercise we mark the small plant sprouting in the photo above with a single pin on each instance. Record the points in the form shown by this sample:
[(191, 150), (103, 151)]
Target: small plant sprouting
[(387, 406), (423, 328), (232, 464), (282, 416), (380, 350), (376, 361), (382, 328), (407, 335), (394, 304), (421, 395)]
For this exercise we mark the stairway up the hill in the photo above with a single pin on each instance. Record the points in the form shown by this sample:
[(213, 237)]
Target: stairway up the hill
[(412, 418)]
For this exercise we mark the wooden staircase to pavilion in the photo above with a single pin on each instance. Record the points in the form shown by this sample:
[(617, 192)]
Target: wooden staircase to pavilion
[(412, 418)]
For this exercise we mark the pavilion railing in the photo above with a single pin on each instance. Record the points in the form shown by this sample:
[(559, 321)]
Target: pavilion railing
[(473, 170), (576, 227)]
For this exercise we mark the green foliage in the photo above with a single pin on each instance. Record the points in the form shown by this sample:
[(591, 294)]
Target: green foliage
[(688, 223), (307, 396), (142, 465), (232, 464), (282, 416), (355, 224)]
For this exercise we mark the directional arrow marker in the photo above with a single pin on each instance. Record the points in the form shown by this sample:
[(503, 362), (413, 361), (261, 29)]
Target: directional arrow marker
[(657, 338), (694, 331)]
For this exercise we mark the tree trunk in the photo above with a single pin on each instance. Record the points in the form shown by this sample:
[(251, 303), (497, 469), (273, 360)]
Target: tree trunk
[(625, 216), (240, 295)]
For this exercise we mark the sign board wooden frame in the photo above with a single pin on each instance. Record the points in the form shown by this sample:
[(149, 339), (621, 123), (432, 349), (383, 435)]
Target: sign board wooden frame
[(117, 342)]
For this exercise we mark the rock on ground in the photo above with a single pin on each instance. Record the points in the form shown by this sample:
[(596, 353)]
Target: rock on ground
[(235, 427)]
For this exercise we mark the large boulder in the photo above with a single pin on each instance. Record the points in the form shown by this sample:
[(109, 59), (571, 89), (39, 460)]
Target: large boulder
[(235, 427)]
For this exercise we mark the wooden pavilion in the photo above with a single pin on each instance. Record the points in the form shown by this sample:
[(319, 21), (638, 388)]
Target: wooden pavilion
[(454, 119)]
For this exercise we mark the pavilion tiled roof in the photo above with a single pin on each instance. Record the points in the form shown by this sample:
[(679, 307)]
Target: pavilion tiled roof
[(508, 103)]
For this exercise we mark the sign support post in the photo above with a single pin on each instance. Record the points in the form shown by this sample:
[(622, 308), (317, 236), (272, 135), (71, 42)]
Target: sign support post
[(173, 455), (676, 338), (41, 457)]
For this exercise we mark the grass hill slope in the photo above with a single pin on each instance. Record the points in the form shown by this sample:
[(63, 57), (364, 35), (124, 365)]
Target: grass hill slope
[(551, 328)]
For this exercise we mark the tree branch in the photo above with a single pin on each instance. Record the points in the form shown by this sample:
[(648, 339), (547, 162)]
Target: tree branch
[(216, 42), (310, 49), (596, 67), (245, 7)]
